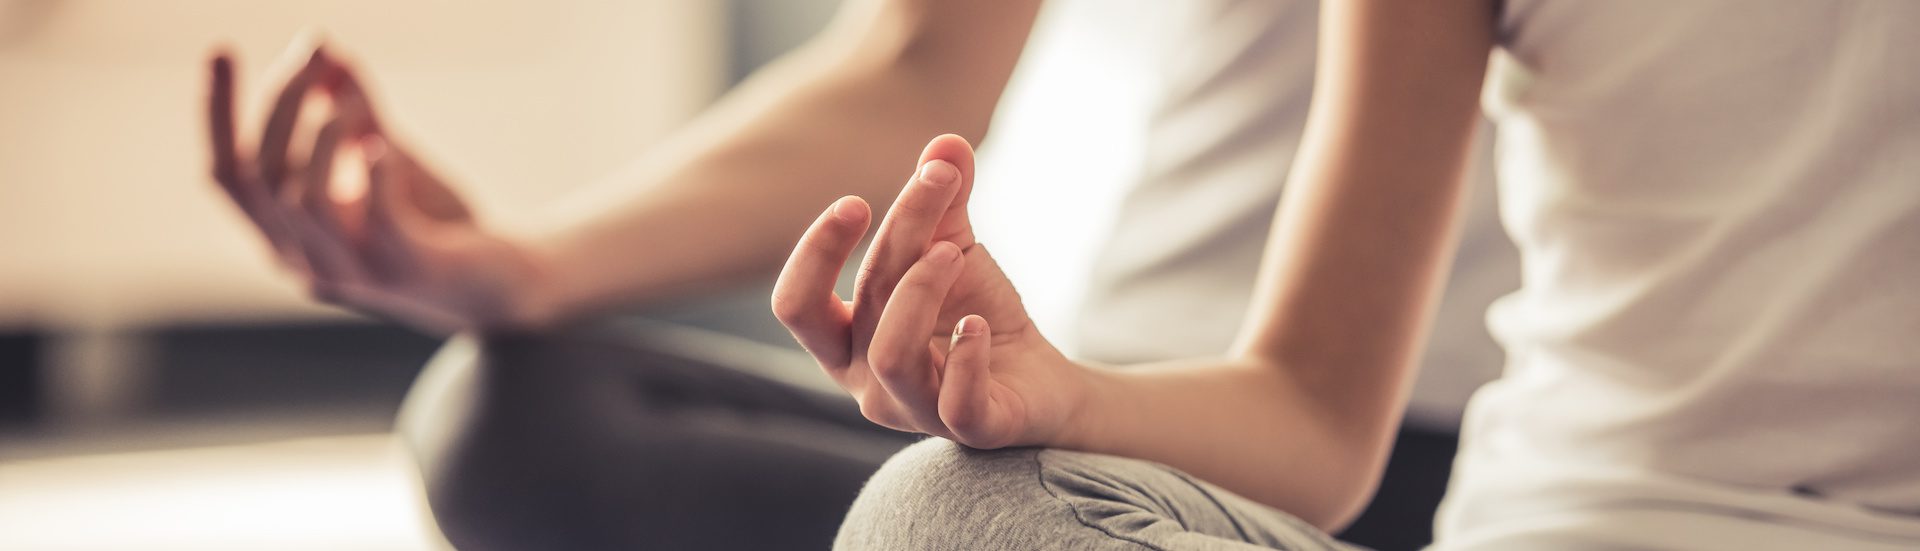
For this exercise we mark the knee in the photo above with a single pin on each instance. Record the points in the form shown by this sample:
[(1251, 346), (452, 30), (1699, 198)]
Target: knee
[(488, 423), (939, 495), (450, 424)]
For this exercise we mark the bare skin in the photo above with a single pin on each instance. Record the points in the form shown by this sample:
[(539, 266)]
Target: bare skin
[(1298, 416), (408, 248), (833, 118), (1301, 415)]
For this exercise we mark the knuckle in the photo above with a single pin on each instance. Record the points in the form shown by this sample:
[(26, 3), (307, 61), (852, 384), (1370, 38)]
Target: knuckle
[(966, 427), (880, 361), (881, 412), (919, 204), (789, 310)]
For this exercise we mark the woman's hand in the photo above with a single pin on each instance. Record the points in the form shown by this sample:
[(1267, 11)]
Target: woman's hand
[(935, 339), (350, 210)]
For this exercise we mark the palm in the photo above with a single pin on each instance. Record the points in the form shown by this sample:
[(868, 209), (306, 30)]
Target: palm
[(1018, 392), (435, 265)]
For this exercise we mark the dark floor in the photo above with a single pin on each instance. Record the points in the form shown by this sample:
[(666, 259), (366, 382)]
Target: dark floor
[(20, 353)]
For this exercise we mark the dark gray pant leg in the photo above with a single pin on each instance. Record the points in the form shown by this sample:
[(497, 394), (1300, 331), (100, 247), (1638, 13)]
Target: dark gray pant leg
[(612, 439), (936, 495)]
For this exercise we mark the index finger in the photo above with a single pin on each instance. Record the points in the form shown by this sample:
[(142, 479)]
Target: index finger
[(338, 80), (803, 298), (278, 131), (226, 162), (902, 239)]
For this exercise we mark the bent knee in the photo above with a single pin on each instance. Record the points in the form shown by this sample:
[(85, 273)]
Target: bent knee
[(504, 439), (926, 476), (940, 495)]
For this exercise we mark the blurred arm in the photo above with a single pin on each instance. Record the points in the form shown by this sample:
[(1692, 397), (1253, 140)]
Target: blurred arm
[(726, 197)]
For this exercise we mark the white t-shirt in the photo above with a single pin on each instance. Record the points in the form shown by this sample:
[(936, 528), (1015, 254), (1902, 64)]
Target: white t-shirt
[(1719, 203), (1717, 343), (1226, 89)]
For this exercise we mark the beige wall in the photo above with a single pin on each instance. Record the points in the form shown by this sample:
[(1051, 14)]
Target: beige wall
[(107, 218)]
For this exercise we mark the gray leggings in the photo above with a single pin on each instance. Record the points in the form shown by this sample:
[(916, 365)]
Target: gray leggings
[(660, 437), (939, 495)]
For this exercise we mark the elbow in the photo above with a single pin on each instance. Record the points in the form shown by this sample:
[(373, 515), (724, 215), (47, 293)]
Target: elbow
[(1351, 479), (1348, 425), (1340, 450), (1347, 507)]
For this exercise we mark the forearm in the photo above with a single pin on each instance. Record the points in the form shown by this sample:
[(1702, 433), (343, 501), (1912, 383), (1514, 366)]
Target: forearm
[(723, 200), (1241, 424), (1302, 415), (719, 204)]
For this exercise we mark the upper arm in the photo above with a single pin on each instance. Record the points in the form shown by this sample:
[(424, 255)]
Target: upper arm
[(956, 55), (1365, 229)]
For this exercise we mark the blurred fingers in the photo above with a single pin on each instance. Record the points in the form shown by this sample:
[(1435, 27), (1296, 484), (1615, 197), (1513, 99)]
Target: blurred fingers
[(339, 79), (232, 171), (395, 228), (315, 197), (220, 128), (803, 297), (278, 132), (317, 223)]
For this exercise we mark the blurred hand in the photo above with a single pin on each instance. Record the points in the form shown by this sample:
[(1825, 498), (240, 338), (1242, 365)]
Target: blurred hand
[(350, 210), (991, 381)]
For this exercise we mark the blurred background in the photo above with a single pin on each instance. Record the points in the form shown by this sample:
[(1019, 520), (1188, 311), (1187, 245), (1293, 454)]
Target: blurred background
[(162, 386)]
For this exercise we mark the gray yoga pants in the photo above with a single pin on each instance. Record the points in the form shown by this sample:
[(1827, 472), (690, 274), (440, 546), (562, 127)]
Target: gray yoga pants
[(939, 495), (661, 437)]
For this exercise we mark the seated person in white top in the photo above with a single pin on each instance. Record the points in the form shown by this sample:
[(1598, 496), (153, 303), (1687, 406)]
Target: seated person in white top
[(1714, 211), (1718, 206)]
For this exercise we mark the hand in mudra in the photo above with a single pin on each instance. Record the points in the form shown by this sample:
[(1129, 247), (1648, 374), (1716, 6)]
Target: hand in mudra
[(400, 244), (935, 339)]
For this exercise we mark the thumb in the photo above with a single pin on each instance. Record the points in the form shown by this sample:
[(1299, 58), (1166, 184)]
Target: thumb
[(967, 405), (342, 83), (394, 224), (954, 224)]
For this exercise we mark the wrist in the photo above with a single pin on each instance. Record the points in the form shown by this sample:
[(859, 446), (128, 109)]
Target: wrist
[(534, 294), (1089, 409)]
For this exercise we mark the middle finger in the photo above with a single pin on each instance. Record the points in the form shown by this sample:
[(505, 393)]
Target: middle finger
[(278, 132), (903, 237)]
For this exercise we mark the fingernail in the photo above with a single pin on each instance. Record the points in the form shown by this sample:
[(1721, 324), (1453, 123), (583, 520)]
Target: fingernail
[(944, 252), (938, 172), (970, 325), (845, 211), (373, 148)]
